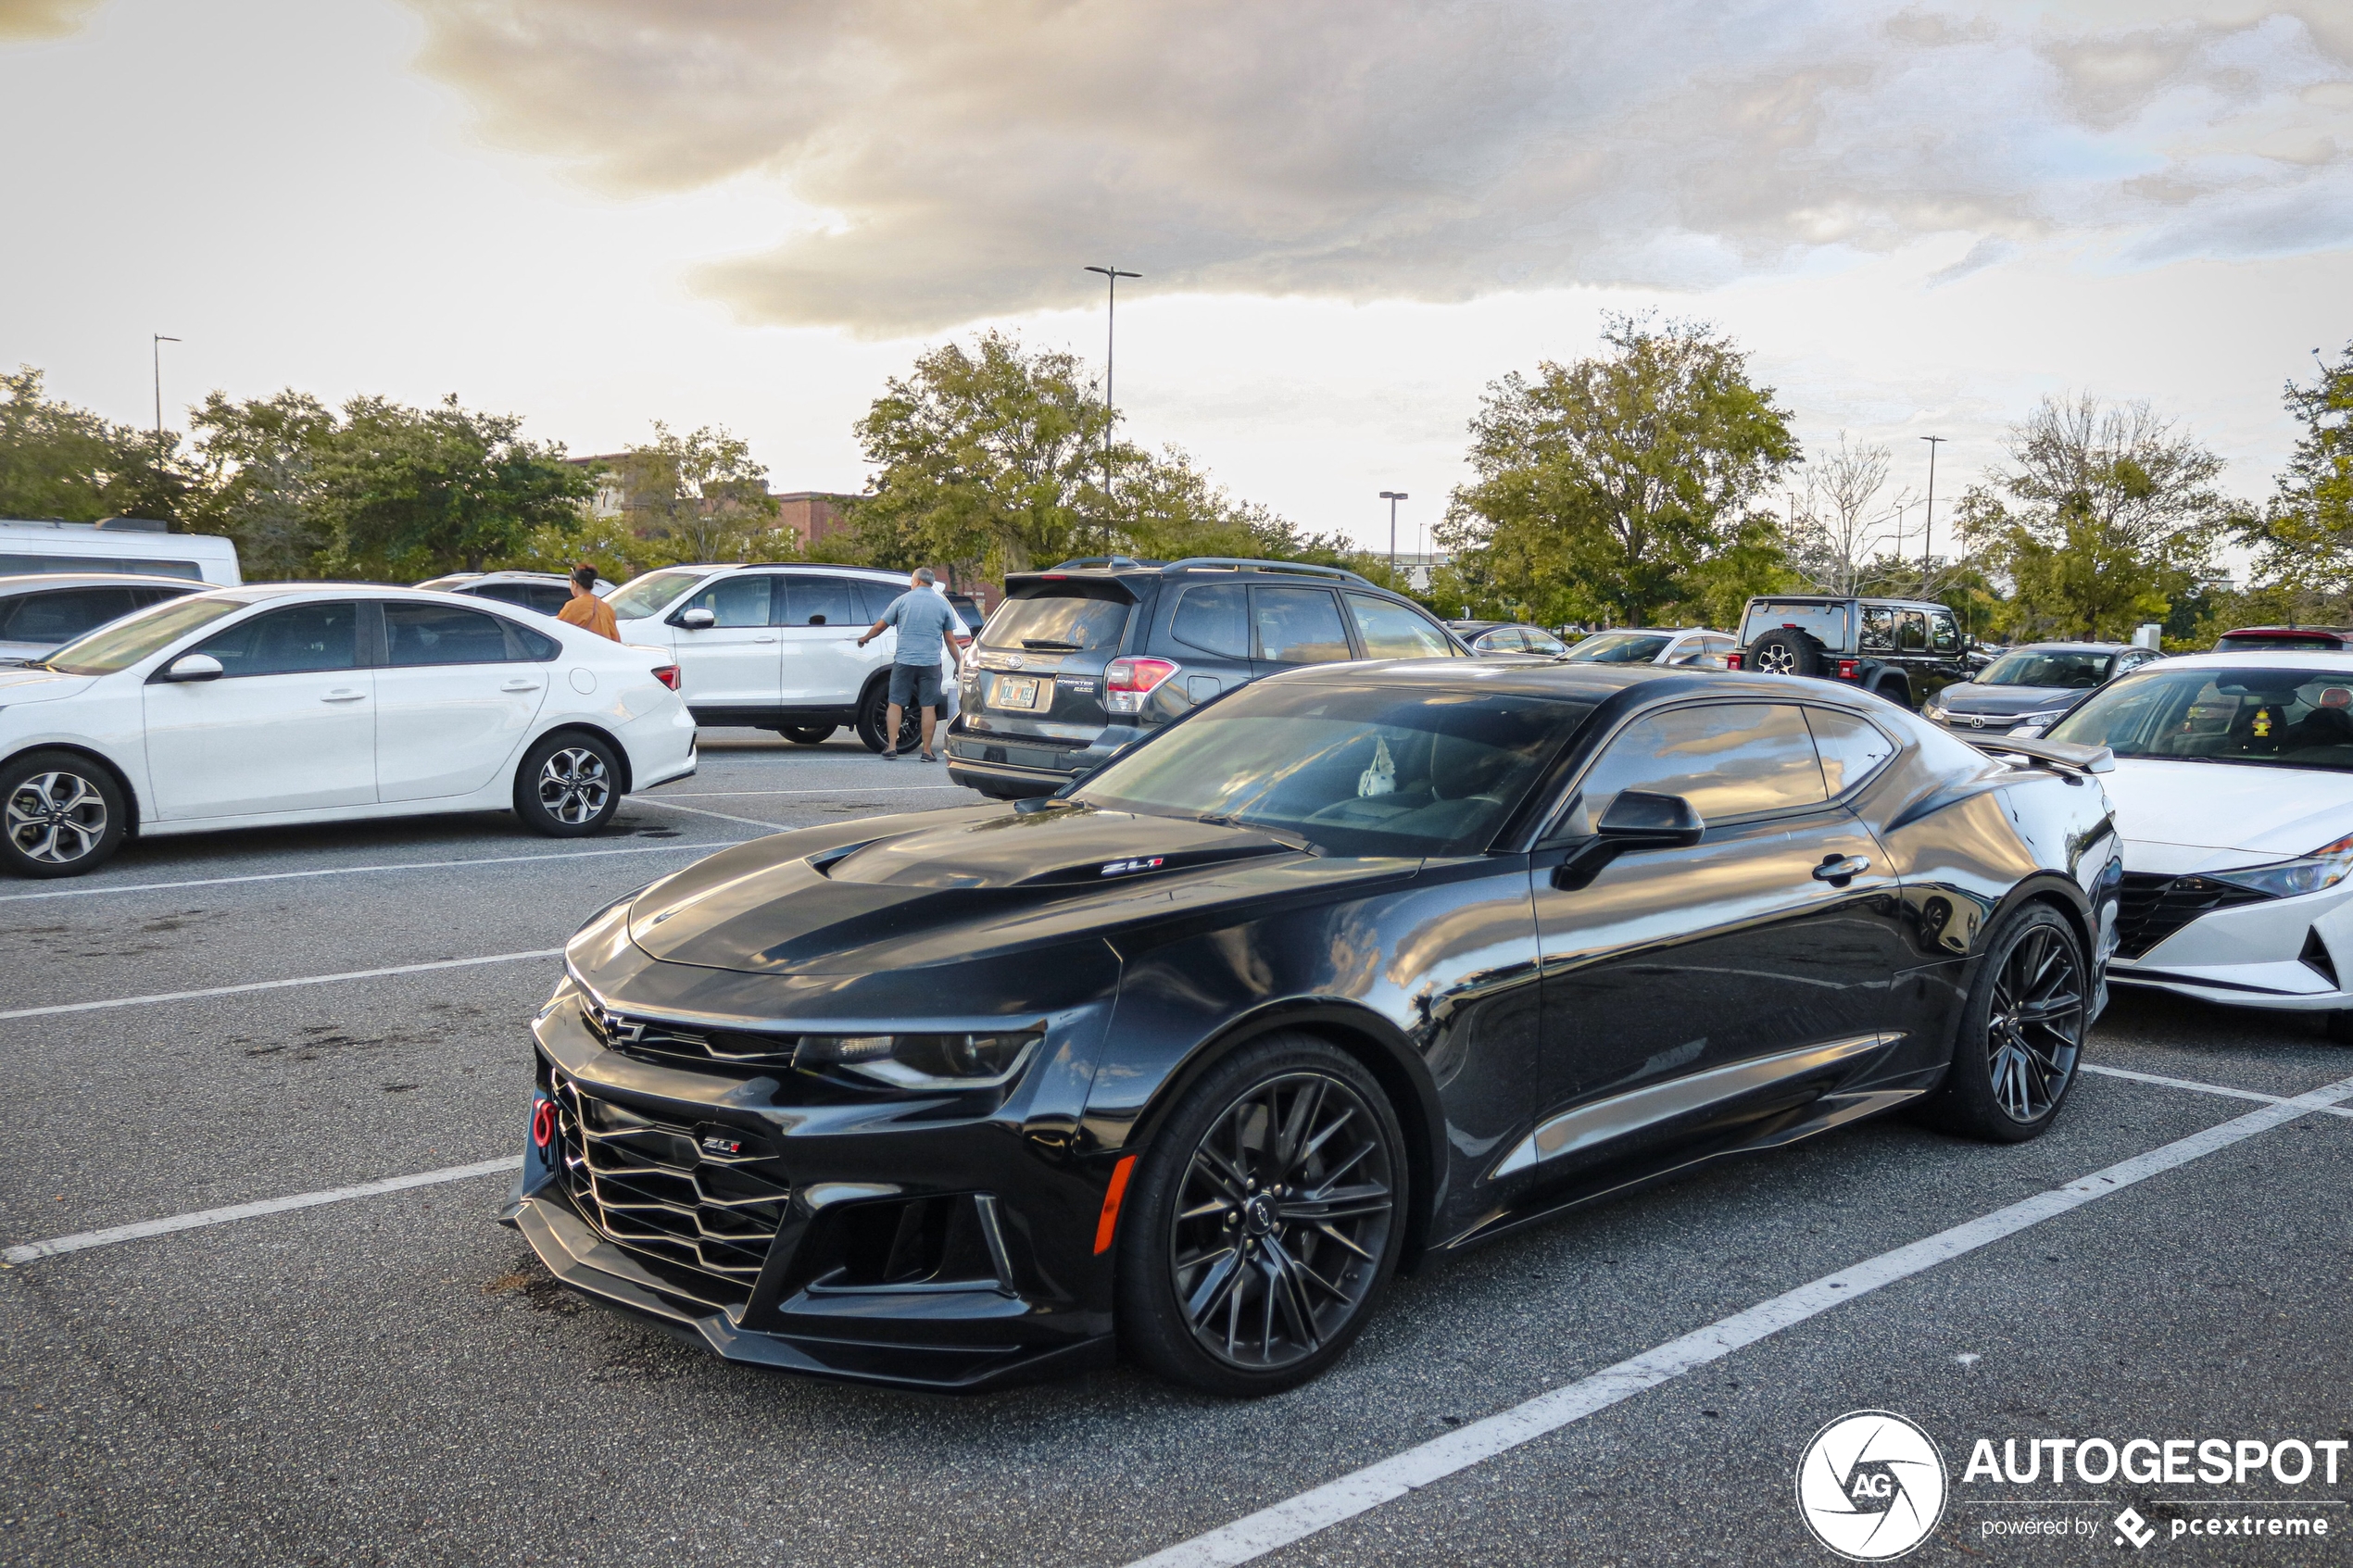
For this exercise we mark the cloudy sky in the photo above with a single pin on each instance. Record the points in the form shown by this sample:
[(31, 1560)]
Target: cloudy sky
[(1350, 214)]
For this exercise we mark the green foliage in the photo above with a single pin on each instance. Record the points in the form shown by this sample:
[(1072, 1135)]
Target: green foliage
[(67, 463), (701, 498), (406, 493), (255, 480), (2304, 540), (1603, 487)]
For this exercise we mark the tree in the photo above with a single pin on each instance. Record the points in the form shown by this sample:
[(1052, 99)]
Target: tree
[(702, 495), (67, 463), (2106, 514), (409, 493), (1603, 486), (256, 482), (1841, 523), (2303, 542)]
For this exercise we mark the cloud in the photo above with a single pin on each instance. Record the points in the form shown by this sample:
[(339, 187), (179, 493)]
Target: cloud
[(41, 18), (960, 158)]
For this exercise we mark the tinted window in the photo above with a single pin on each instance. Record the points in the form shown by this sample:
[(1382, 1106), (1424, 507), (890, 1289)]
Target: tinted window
[(1215, 620), (1391, 631), (1052, 622), (2029, 668), (1298, 626), (1942, 634), (290, 641), (418, 635), (533, 644), (63, 615), (1849, 747), (1619, 647), (1504, 639), (517, 594), (1353, 770), (822, 601), (1543, 642), (1877, 634), (2258, 642), (546, 598), (1728, 759), (2273, 718), (641, 597), (736, 601), (874, 596), (1911, 631), (1826, 623)]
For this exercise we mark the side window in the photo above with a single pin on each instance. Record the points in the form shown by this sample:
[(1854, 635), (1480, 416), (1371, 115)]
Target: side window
[(1728, 759), (1911, 631), (1391, 631), (1849, 748), (1298, 626), (736, 601), (1943, 635), (530, 644), (416, 634), (1544, 642), (822, 601), (1504, 639), (874, 598), (516, 594), (64, 614), (1214, 619), (547, 600), (1877, 634), (290, 642)]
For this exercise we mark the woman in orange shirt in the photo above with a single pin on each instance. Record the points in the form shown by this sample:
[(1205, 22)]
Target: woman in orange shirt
[(587, 609)]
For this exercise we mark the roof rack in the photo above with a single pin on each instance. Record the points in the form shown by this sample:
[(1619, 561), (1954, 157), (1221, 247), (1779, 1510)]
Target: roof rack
[(1238, 563)]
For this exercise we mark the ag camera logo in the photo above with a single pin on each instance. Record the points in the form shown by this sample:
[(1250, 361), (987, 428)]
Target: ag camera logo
[(1871, 1486)]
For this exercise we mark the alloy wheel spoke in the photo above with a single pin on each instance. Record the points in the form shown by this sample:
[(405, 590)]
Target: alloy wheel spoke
[(1343, 1203), (1217, 1283)]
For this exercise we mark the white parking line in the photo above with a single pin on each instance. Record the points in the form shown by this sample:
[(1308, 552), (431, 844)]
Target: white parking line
[(700, 811), (278, 984), (355, 871), (2193, 1084), (844, 789), (1362, 1490), (83, 1240)]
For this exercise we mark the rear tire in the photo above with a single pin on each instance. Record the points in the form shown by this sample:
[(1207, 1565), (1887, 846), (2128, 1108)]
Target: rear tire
[(1784, 651), (61, 814), (874, 717), (2021, 1033), (1897, 690), (1263, 1222), (808, 734), (569, 785)]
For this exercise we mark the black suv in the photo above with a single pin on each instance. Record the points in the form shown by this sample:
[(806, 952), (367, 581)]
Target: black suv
[(1906, 650), (1085, 657)]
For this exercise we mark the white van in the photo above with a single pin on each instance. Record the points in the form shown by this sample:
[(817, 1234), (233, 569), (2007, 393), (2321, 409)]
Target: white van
[(130, 545)]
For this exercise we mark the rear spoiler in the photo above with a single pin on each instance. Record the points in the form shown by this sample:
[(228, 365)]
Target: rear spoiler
[(2062, 755), (1092, 581)]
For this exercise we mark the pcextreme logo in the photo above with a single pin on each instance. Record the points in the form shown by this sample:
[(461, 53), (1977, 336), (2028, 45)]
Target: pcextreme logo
[(1871, 1486)]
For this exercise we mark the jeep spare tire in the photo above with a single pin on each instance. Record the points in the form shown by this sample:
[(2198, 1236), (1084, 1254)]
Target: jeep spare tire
[(1785, 651)]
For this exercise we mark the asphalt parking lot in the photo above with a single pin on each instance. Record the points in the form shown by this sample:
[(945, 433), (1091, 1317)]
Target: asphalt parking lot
[(391, 1378)]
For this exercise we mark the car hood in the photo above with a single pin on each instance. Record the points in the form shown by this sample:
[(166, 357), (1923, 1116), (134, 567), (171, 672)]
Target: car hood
[(19, 685), (1969, 697), (949, 886), (2174, 817)]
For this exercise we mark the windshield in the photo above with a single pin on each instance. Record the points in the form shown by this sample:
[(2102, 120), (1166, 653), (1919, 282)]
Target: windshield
[(1619, 647), (122, 643), (2026, 669), (1825, 623), (2275, 717), (1353, 770), (641, 597), (1056, 623)]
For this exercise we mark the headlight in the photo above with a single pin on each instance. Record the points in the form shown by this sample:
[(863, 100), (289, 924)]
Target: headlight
[(921, 1061), (2324, 867), (1935, 710)]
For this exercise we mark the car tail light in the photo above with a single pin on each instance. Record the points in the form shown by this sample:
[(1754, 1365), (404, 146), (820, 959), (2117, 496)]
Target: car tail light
[(1846, 668), (1126, 682), (1732, 662), (667, 674)]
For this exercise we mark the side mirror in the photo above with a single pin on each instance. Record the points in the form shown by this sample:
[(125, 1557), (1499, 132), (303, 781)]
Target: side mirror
[(697, 620), (194, 667), (1636, 819)]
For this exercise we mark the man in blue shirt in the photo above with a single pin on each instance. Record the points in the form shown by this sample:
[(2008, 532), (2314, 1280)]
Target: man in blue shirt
[(926, 623)]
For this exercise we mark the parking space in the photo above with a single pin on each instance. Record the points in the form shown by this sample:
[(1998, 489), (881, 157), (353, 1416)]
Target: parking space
[(393, 1378)]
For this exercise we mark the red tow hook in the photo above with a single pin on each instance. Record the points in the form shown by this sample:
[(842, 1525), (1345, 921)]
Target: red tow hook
[(543, 1122)]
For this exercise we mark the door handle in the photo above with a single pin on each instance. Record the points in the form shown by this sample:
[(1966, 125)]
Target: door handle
[(343, 694), (1840, 869), (520, 687), (763, 639)]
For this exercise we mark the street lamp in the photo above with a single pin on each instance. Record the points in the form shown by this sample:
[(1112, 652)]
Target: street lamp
[(1392, 497), (1928, 527), (1110, 322), (156, 349)]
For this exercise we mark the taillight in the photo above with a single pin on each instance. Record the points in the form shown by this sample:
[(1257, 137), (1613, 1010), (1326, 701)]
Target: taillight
[(1732, 662), (1126, 682), (1846, 668), (667, 674)]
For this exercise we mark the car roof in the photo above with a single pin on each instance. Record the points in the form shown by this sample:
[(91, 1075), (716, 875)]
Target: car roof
[(2068, 648), (1135, 565), (1593, 683), (25, 581), (1846, 598), (2319, 661), (2289, 632)]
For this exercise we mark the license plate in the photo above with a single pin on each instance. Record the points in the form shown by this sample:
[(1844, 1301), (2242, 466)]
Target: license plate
[(1021, 692)]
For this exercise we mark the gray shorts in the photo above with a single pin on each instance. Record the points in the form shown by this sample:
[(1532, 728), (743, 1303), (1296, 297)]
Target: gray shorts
[(914, 685)]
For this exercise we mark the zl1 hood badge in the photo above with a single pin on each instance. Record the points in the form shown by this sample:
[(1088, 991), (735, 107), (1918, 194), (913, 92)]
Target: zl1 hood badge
[(1120, 868)]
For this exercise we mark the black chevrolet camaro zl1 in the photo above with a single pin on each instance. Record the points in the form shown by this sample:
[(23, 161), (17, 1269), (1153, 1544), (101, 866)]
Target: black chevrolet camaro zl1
[(1351, 967)]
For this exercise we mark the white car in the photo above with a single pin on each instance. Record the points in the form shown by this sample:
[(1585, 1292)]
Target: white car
[(2234, 792), (1693, 646), (776, 647), (318, 703)]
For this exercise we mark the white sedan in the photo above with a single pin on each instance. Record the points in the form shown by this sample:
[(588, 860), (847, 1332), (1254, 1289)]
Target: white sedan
[(2234, 792), (264, 706)]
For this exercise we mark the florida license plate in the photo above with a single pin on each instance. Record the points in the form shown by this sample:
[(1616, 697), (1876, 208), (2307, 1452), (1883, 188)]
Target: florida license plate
[(1019, 691)]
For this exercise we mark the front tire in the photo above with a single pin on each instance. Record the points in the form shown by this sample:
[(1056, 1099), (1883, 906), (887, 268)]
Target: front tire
[(569, 785), (808, 734), (1263, 1222), (60, 814), (2021, 1031)]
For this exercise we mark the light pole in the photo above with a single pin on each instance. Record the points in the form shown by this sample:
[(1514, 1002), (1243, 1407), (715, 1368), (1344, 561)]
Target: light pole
[(1392, 497), (156, 349), (1111, 325), (1928, 527)]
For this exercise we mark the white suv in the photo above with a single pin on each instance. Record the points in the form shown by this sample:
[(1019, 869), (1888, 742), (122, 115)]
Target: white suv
[(774, 647)]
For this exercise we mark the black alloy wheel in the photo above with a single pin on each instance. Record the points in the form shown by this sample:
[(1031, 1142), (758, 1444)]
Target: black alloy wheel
[(1785, 651), (808, 734), (874, 721), (2021, 1033), (569, 785), (60, 814), (1267, 1219)]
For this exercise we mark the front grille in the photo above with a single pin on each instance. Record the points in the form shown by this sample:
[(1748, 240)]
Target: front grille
[(2153, 908), (653, 1040), (677, 1195)]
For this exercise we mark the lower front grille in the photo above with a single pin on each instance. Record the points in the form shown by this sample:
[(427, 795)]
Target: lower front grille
[(2152, 908), (702, 1203)]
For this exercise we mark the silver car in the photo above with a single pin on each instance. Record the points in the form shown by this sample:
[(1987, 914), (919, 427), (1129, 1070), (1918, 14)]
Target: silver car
[(41, 612)]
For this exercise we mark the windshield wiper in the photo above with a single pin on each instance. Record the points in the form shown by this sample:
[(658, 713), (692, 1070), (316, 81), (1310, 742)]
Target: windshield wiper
[(1052, 643), (1289, 840)]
